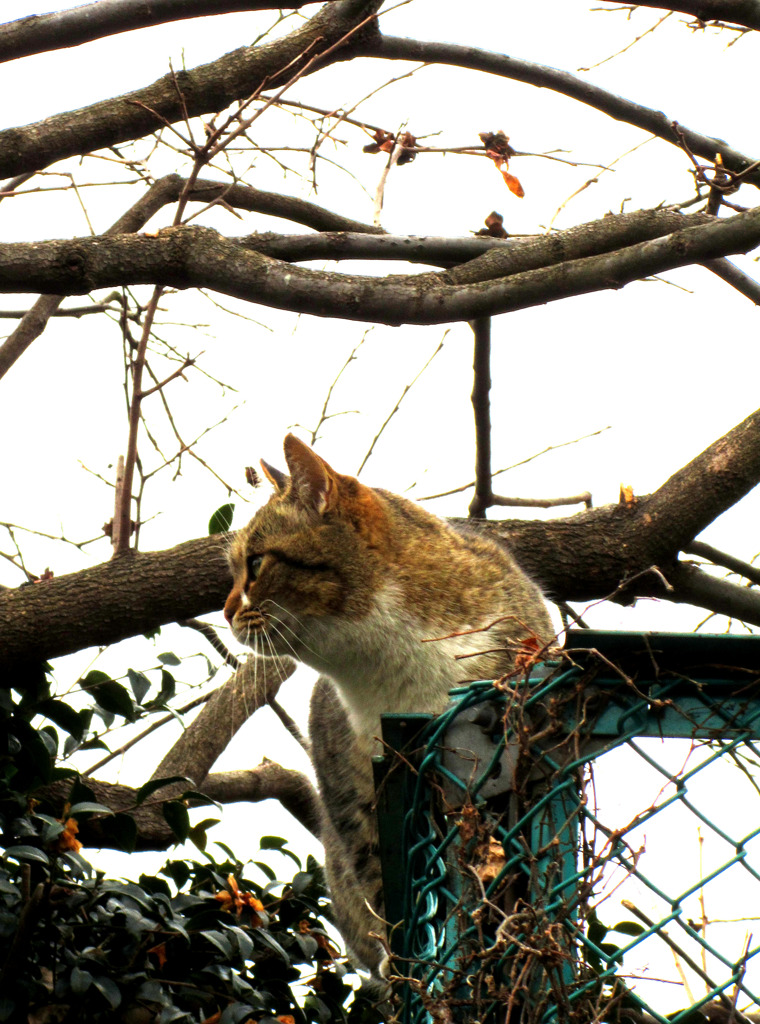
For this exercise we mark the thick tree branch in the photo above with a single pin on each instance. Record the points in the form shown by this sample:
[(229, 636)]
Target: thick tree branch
[(594, 554), (42, 32), (253, 686), (654, 121), (35, 320), (122, 597), (267, 781), (598, 553), (202, 90), (186, 257), (738, 12)]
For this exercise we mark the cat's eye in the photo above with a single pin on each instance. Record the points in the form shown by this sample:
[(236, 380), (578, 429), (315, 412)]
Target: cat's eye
[(253, 566)]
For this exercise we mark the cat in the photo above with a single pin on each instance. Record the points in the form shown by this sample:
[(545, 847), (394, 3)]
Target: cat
[(351, 580)]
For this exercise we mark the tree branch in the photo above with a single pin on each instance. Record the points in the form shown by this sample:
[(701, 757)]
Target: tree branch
[(589, 556), (737, 565), (186, 257), (267, 781), (40, 33), (654, 121), (738, 12), (35, 320), (481, 407), (202, 90)]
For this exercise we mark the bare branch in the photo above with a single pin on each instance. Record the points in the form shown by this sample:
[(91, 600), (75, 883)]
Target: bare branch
[(654, 121), (407, 388), (186, 257), (737, 565), (253, 686), (522, 462), (742, 282), (583, 557), (39, 33), (739, 12), (481, 407), (267, 781), (202, 90), (584, 498), (35, 320)]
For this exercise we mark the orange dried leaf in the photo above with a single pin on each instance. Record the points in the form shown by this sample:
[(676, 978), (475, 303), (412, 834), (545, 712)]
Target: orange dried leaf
[(160, 953), (513, 184), (67, 840), (528, 655), (384, 142)]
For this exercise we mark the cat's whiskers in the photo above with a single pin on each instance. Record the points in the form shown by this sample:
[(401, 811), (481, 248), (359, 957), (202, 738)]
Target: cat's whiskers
[(288, 644), (300, 635)]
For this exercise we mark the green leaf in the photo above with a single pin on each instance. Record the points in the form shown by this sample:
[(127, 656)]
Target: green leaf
[(26, 853), (244, 940), (611, 951), (273, 944), (51, 831), (279, 844), (139, 682), (109, 990), (221, 520), (198, 832), (80, 980), (222, 943), (113, 697), (177, 870), (88, 807), (200, 799), (168, 686), (74, 722), (177, 818), (93, 678), (169, 659), (149, 788), (272, 843), (265, 868), (629, 928)]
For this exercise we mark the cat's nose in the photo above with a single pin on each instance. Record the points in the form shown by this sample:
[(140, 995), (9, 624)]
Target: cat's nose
[(231, 606)]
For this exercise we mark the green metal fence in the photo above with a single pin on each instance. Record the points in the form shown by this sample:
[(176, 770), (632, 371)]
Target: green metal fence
[(569, 844)]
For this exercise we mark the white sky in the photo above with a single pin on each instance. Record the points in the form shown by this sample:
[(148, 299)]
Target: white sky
[(667, 366)]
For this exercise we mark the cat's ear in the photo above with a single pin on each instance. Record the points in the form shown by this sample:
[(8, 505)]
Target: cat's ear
[(276, 477), (314, 481)]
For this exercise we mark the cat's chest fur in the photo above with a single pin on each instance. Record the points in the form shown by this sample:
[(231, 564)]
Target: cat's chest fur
[(393, 660)]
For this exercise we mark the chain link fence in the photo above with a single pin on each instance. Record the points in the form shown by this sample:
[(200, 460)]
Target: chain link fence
[(580, 841)]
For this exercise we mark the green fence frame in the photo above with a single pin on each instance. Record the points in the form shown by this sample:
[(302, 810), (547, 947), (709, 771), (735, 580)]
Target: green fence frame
[(605, 690)]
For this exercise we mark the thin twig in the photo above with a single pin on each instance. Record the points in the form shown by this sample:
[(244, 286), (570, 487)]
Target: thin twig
[(522, 462), (396, 407)]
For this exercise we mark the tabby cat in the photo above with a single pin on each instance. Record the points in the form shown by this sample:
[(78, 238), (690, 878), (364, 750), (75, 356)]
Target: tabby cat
[(351, 580)]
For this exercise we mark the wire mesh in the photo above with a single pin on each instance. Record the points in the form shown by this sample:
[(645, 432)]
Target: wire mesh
[(581, 840)]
